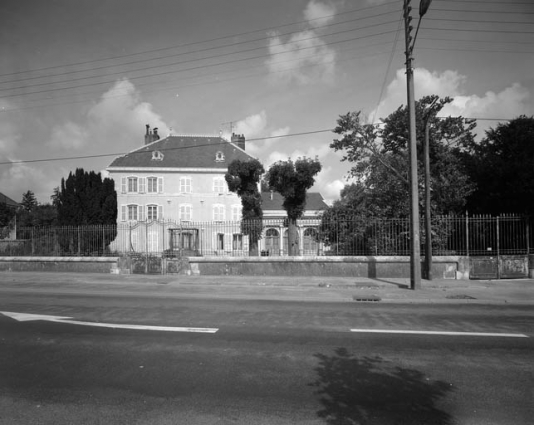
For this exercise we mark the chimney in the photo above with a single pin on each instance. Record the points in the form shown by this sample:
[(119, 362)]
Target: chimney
[(148, 135), (155, 134), (238, 140)]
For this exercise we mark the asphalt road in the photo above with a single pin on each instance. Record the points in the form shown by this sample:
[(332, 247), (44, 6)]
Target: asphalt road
[(270, 362)]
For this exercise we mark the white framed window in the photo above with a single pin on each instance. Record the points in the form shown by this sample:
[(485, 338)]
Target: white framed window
[(153, 241), (154, 212), (186, 212), (154, 184), (218, 212), (236, 212), (132, 184), (219, 185), (237, 241), (185, 184), (132, 212), (129, 184)]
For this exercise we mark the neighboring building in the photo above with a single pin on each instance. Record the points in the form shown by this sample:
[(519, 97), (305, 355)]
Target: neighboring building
[(172, 195), (9, 232), (275, 239)]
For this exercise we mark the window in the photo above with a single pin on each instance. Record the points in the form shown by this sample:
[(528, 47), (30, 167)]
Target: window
[(219, 185), (132, 212), (218, 212), (185, 184), (219, 157), (154, 212), (220, 241), (153, 241), (236, 212), (185, 212), (272, 242), (132, 184), (157, 156), (154, 184), (237, 241)]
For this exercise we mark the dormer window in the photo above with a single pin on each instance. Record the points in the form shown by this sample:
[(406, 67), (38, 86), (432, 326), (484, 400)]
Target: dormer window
[(157, 156), (219, 157)]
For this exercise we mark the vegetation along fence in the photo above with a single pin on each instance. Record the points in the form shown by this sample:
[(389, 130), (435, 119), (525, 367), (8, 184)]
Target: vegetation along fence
[(451, 235)]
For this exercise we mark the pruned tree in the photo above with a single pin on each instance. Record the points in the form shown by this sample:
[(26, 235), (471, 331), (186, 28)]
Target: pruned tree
[(292, 180), (243, 178)]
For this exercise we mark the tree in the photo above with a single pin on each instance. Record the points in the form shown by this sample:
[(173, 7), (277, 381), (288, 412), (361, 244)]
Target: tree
[(29, 201), (292, 180), (7, 213), (502, 166), (41, 215), (85, 199), (380, 157), (243, 178)]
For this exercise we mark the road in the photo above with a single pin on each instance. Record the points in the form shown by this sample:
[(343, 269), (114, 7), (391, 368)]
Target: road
[(269, 362)]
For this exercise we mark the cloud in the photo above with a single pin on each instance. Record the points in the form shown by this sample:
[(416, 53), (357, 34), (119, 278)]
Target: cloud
[(318, 13), (69, 136), (121, 115), (304, 58), (508, 103)]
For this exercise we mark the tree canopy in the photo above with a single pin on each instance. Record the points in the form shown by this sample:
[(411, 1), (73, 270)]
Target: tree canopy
[(502, 166), (380, 157), (243, 178)]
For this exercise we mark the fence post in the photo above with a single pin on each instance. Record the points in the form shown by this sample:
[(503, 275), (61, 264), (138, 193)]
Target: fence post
[(467, 233), (498, 250), (527, 233), (33, 243), (79, 241), (103, 239)]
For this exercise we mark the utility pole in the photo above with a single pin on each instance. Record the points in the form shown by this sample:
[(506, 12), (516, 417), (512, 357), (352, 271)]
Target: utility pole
[(415, 248), (428, 220)]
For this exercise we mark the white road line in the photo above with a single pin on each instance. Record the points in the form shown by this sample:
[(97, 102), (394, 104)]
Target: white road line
[(25, 317), (386, 331)]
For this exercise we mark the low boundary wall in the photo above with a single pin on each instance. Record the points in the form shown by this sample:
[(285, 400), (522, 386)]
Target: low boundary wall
[(450, 267), (60, 264)]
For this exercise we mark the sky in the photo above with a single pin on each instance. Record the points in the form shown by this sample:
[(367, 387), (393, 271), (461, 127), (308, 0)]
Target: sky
[(79, 79)]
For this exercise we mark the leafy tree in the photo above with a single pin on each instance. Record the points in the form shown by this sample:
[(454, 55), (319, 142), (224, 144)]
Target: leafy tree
[(41, 215), (85, 199), (29, 201), (380, 157), (381, 170), (243, 178), (292, 180), (502, 166)]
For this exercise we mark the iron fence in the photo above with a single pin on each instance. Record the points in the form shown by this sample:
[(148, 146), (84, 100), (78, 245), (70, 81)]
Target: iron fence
[(451, 235)]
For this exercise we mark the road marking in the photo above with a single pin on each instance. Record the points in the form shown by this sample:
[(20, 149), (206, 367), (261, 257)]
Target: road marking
[(386, 331), (25, 317)]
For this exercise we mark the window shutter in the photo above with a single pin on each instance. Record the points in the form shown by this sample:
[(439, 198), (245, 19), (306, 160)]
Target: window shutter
[(141, 212), (123, 184), (142, 185), (160, 212), (123, 212), (160, 184)]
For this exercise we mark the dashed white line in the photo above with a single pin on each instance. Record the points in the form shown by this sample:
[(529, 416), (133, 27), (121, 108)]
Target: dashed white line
[(388, 331)]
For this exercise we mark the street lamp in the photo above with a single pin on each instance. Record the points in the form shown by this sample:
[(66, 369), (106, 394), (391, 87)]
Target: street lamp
[(415, 237)]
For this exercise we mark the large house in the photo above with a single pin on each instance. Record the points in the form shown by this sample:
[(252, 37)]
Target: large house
[(172, 195)]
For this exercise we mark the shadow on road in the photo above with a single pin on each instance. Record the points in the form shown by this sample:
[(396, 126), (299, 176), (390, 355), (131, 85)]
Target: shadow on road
[(358, 391)]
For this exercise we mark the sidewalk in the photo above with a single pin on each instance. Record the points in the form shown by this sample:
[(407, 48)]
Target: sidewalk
[(286, 288)]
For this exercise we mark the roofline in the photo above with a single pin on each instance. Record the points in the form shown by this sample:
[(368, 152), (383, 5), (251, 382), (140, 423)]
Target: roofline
[(166, 169)]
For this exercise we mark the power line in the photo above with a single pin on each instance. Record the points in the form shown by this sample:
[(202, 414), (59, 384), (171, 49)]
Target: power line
[(304, 133), (205, 41)]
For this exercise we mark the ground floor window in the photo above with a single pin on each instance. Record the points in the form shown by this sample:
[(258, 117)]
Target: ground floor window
[(237, 242)]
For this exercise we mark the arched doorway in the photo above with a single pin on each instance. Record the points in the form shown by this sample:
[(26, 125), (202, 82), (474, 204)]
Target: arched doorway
[(310, 241)]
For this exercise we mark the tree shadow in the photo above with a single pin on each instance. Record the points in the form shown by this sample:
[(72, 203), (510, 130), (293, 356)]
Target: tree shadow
[(361, 391)]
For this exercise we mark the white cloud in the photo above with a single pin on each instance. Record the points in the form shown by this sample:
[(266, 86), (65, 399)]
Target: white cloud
[(120, 116), (508, 103), (304, 58), (318, 13), (69, 136)]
